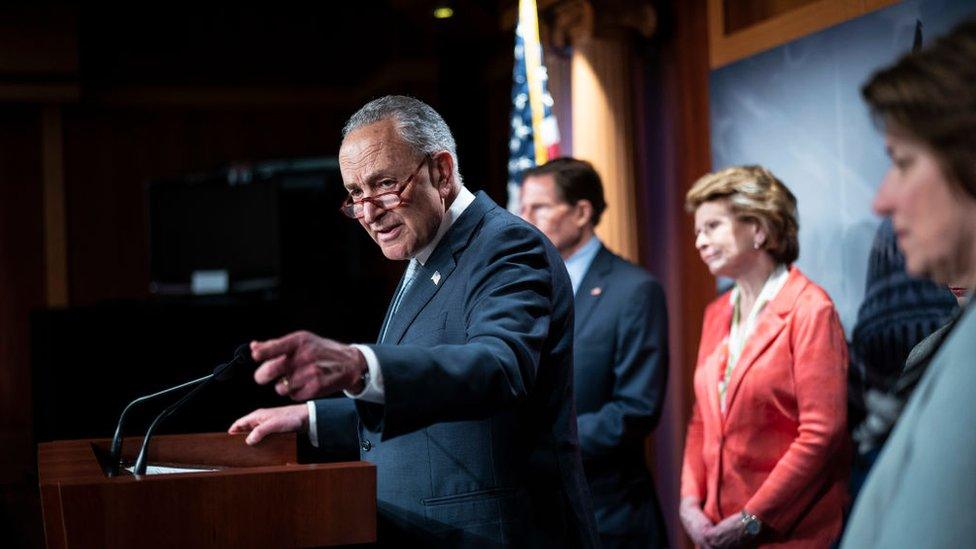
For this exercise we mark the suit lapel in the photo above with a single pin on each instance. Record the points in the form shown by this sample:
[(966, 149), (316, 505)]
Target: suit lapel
[(716, 361), (439, 266), (591, 288), (770, 323)]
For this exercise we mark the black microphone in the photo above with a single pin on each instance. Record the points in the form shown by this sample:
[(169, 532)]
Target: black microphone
[(242, 361), (115, 451), (242, 358)]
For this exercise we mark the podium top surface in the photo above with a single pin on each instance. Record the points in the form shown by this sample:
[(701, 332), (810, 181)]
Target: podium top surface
[(72, 461)]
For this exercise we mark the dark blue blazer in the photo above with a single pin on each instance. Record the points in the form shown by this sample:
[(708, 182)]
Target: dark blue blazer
[(621, 374), (476, 444)]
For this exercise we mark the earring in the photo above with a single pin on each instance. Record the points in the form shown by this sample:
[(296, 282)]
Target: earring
[(756, 245)]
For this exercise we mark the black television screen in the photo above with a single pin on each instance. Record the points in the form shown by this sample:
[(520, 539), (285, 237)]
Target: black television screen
[(207, 229)]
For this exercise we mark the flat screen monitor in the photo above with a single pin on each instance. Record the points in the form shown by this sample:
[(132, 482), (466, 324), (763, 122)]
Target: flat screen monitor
[(209, 236)]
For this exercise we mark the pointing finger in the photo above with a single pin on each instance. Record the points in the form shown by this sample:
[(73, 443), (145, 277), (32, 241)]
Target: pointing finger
[(272, 370), (263, 350)]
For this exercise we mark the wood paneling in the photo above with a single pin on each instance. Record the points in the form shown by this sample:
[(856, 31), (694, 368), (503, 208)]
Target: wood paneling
[(55, 237), (674, 150), (740, 15), (38, 92), (775, 24), (38, 40), (21, 263), (38, 53), (22, 284)]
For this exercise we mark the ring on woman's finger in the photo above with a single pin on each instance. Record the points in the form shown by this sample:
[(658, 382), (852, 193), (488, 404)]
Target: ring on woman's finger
[(283, 380)]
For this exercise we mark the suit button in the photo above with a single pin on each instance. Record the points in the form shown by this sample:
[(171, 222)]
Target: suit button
[(366, 445)]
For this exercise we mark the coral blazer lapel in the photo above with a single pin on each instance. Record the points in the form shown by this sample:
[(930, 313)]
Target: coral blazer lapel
[(770, 323), (716, 338)]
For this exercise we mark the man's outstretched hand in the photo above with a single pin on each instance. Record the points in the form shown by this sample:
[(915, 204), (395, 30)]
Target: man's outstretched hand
[(304, 366)]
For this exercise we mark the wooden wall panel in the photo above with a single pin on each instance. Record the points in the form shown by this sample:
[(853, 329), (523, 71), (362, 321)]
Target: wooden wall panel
[(39, 40), (739, 14), (55, 236), (772, 23), (22, 284), (673, 151)]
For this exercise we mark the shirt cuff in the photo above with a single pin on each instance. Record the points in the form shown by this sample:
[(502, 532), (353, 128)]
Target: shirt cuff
[(374, 389), (313, 431)]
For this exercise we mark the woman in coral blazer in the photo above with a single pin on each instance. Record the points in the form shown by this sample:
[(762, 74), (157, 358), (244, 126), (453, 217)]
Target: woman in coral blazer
[(765, 454)]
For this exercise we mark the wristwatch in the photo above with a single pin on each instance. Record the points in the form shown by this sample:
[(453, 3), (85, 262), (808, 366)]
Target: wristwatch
[(750, 523)]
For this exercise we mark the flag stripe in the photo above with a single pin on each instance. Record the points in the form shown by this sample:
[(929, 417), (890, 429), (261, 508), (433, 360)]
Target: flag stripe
[(534, 137)]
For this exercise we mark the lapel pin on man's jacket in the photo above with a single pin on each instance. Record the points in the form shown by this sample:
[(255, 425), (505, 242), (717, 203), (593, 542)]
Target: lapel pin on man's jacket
[(596, 291), (436, 277)]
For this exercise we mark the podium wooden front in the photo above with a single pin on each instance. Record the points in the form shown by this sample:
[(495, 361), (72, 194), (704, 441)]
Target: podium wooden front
[(259, 497)]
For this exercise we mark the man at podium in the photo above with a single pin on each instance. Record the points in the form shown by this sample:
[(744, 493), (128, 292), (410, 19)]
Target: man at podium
[(465, 403)]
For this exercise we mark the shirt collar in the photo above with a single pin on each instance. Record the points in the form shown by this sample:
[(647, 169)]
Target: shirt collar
[(579, 263), (775, 283), (461, 203)]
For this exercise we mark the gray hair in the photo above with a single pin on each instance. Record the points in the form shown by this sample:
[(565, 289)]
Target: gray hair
[(415, 121)]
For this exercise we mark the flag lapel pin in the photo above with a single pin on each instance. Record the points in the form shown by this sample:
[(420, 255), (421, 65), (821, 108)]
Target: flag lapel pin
[(596, 291)]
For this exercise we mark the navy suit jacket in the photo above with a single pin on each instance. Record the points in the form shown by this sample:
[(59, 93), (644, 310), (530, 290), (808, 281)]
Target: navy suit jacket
[(621, 374), (476, 444)]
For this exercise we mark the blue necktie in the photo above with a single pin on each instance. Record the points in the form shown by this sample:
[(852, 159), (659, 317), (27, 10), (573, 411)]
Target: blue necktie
[(408, 278)]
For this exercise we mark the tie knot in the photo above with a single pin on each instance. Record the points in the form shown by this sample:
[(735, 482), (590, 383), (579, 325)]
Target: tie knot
[(411, 269)]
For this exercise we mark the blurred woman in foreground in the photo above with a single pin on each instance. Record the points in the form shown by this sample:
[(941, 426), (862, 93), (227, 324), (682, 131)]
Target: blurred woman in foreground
[(921, 491)]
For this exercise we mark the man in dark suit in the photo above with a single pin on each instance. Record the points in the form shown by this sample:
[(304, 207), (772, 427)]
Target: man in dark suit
[(465, 403), (620, 351)]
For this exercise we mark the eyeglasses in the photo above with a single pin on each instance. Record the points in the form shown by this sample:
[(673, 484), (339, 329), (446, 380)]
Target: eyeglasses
[(355, 209), (540, 211)]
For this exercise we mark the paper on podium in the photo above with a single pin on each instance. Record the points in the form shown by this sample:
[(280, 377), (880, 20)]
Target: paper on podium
[(167, 470)]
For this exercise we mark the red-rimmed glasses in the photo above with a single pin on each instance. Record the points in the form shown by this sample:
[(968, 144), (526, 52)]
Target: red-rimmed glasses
[(355, 209)]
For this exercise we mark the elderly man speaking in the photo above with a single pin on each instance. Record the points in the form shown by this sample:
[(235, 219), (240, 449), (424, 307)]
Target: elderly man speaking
[(465, 404)]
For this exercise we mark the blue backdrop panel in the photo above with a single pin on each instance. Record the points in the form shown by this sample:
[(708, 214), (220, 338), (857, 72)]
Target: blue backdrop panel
[(797, 110)]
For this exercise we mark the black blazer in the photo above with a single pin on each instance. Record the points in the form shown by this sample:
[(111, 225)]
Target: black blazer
[(621, 374)]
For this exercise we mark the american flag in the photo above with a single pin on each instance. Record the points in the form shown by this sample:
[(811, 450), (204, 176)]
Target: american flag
[(534, 137)]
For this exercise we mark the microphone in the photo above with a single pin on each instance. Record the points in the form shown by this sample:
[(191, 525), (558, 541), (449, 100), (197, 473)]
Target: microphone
[(115, 451), (242, 359)]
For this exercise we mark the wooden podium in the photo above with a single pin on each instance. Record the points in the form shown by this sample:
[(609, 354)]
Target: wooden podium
[(257, 497)]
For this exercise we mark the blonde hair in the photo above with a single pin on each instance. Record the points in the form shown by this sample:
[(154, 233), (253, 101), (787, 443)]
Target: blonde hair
[(753, 193)]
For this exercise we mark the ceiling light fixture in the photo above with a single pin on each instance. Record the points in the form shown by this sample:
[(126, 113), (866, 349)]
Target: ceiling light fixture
[(443, 12)]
